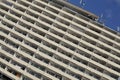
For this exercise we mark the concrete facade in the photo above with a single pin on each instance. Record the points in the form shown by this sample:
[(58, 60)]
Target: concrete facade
[(55, 40)]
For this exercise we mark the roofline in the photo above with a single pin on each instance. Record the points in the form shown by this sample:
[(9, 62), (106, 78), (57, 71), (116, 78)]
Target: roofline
[(78, 9)]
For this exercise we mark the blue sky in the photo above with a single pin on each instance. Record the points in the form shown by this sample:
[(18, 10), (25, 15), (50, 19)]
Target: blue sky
[(109, 9)]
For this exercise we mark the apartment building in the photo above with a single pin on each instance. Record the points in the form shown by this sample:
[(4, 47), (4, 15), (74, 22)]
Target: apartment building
[(55, 40)]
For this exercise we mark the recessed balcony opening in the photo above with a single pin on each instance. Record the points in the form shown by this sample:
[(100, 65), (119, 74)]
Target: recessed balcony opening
[(77, 28), (19, 8), (108, 35), (23, 3), (56, 33), (4, 31), (11, 19), (69, 10), (63, 21), (55, 5), (59, 27), (71, 40), (24, 25), (20, 31), (2, 15), (39, 4), (36, 9), (45, 51), (43, 26), (61, 59), (15, 13), (74, 34), (66, 16), (4, 77), (32, 14), (53, 10), (7, 24), (4, 8), (65, 53), (49, 15), (28, 19), (45, 20)]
